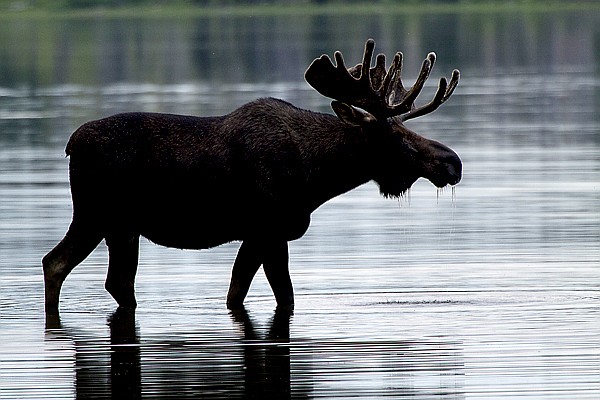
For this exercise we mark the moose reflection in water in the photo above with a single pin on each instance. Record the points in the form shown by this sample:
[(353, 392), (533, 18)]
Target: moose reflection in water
[(254, 175), (258, 363), (257, 367)]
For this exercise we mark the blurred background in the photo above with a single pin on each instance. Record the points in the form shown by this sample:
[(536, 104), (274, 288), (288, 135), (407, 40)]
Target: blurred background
[(490, 290)]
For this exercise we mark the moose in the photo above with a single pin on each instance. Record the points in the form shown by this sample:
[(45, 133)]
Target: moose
[(254, 175)]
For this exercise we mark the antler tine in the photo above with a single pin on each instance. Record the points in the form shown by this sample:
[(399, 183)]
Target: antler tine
[(409, 98), (438, 99), (392, 84), (378, 73), (339, 60), (453, 84), (442, 94), (365, 72)]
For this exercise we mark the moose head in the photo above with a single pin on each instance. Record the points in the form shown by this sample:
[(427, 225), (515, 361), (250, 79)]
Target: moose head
[(376, 101)]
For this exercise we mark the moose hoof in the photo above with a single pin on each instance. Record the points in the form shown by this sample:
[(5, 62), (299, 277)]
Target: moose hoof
[(285, 303), (286, 308), (125, 301), (235, 305)]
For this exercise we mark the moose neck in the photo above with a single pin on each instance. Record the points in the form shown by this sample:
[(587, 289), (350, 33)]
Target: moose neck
[(336, 158)]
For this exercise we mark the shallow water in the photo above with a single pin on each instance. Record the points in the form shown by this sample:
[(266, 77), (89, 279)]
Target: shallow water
[(489, 293)]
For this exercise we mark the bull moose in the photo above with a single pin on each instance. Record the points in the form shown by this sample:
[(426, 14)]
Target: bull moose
[(254, 175)]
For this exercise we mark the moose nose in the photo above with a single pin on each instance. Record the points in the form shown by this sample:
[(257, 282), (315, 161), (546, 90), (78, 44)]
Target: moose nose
[(454, 168)]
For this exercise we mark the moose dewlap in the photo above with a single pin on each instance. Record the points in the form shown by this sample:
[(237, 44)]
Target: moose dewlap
[(254, 175)]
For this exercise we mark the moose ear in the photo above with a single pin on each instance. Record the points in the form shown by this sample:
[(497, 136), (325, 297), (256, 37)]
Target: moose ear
[(350, 115)]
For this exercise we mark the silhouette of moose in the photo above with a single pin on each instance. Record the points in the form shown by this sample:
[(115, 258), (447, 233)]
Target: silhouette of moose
[(254, 175)]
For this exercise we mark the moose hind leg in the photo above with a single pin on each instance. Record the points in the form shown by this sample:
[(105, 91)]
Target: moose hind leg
[(77, 244), (122, 266), (276, 266), (247, 262)]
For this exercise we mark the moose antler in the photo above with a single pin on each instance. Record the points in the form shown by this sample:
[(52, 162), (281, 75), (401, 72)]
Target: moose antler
[(379, 92)]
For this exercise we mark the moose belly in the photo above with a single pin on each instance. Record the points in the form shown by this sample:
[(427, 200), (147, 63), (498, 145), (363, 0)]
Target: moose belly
[(210, 230), (187, 239), (185, 228)]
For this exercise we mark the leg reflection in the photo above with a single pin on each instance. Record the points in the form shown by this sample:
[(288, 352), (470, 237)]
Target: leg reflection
[(99, 373), (266, 360), (277, 354), (125, 365)]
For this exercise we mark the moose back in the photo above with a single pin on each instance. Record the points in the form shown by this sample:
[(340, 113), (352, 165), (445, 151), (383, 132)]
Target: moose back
[(254, 175)]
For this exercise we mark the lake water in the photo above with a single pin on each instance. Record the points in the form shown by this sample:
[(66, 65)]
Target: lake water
[(490, 292)]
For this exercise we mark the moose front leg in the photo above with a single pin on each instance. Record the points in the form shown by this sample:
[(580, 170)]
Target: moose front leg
[(276, 266), (247, 262), (273, 255)]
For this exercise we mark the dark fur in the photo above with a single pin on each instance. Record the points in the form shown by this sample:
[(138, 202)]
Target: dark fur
[(254, 175)]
